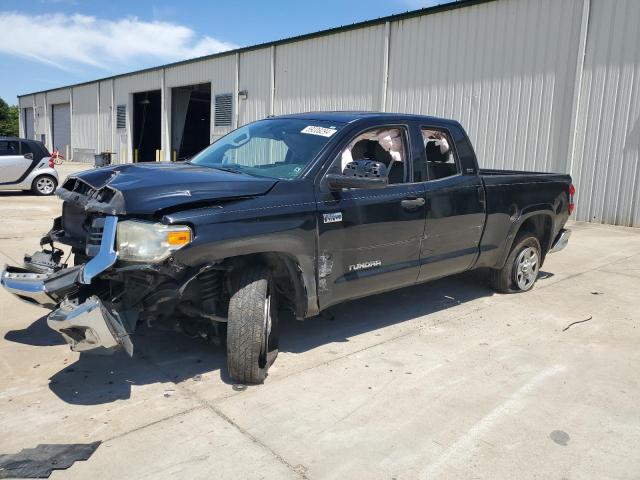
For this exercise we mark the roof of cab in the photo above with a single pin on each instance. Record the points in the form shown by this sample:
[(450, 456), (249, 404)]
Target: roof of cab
[(352, 116), (18, 139)]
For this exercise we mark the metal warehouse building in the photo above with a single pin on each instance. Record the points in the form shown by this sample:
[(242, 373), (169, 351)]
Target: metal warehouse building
[(543, 85)]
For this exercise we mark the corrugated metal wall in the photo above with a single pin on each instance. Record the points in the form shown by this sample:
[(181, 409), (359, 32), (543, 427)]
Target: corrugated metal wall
[(606, 166), (40, 120), (105, 137), (343, 71), (506, 70), (542, 85), (84, 122), (255, 79)]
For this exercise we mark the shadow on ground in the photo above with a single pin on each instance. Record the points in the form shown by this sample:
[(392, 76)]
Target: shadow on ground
[(167, 356), (37, 334)]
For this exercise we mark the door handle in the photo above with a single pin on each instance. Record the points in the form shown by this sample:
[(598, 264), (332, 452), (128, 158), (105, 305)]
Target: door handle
[(413, 203)]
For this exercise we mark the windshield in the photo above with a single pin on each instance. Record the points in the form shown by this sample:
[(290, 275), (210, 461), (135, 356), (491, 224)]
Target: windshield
[(276, 148)]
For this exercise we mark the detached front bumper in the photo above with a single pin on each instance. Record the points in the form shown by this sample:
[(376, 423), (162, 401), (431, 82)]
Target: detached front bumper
[(89, 325)]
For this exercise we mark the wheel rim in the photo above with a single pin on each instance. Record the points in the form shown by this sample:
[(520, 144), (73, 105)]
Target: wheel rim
[(527, 265), (45, 185)]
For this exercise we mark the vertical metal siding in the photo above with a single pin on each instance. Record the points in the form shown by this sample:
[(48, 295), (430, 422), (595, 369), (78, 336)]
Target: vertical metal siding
[(255, 72), (105, 117), (343, 71), (138, 82), (40, 123), (58, 96), (505, 70), (606, 156), (84, 124)]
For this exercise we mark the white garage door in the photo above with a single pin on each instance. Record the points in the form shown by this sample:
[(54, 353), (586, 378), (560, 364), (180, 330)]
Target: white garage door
[(61, 125), (28, 123)]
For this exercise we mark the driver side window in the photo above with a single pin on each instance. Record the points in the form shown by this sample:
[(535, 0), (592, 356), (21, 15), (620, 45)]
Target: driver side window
[(382, 144)]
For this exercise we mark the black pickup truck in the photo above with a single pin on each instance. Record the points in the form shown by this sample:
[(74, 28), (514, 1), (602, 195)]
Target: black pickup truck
[(287, 215)]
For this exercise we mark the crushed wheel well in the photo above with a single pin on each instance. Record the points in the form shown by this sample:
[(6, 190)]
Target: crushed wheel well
[(286, 275), (540, 226)]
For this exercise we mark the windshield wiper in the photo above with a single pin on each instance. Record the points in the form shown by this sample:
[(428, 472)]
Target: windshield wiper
[(228, 169)]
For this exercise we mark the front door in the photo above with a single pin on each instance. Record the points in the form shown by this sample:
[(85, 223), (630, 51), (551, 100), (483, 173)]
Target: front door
[(455, 207), (369, 240)]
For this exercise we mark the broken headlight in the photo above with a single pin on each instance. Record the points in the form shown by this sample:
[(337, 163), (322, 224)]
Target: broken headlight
[(140, 241)]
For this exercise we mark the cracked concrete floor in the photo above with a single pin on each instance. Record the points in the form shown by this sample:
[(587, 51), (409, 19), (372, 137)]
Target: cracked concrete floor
[(444, 380)]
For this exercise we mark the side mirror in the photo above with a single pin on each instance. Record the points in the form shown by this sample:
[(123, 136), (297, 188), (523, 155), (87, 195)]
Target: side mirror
[(28, 156), (360, 174)]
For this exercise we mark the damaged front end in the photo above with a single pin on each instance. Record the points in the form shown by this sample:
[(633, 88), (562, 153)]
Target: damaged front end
[(87, 318)]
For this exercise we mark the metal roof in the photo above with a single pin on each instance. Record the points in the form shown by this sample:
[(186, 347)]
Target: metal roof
[(376, 21)]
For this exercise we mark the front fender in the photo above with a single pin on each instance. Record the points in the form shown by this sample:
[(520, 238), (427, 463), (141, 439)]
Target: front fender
[(293, 237)]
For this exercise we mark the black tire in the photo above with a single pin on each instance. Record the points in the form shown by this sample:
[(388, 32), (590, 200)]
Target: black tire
[(252, 337), (44, 185), (509, 279)]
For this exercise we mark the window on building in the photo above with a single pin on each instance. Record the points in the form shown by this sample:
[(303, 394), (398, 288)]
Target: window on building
[(121, 116), (223, 110)]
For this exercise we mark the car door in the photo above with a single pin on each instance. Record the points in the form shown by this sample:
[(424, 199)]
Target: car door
[(455, 206), (369, 239), (13, 164)]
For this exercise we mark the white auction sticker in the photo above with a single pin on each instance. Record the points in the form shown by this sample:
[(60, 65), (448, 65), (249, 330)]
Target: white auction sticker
[(322, 131)]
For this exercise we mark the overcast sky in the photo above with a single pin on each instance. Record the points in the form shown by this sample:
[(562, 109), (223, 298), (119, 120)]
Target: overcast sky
[(50, 43)]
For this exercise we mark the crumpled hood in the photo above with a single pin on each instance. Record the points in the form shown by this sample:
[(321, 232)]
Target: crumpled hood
[(150, 188)]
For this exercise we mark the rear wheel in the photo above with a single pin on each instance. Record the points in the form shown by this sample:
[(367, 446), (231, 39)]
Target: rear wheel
[(252, 328), (44, 185), (520, 271)]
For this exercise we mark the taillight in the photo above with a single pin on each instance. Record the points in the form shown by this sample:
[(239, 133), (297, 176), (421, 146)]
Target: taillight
[(52, 163), (572, 192)]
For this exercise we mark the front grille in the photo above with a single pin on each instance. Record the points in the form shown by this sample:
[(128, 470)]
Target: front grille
[(94, 237)]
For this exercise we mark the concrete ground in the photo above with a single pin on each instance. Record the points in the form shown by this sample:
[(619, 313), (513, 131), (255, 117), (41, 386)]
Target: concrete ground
[(446, 380)]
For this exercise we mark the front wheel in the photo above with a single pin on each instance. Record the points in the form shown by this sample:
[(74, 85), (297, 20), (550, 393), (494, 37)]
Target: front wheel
[(44, 185), (252, 328), (520, 271)]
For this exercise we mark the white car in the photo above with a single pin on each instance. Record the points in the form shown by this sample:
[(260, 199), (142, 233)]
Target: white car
[(26, 165)]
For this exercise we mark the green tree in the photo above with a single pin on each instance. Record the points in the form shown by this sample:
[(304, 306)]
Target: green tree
[(8, 119)]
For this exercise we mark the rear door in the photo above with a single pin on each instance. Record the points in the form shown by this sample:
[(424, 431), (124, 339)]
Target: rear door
[(455, 204), (13, 164), (369, 239)]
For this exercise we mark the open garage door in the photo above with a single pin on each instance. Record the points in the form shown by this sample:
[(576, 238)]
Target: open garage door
[(190, 120), (146, 125), (61, 128), (29, 131)]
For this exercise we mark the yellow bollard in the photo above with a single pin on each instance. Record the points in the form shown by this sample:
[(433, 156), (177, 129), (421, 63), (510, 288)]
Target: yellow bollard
[(135, 155), (174, 155), (157, 155)]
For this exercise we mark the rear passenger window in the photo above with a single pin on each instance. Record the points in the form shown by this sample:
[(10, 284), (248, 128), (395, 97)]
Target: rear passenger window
[(26, 148), (439, 153), (9, 147)]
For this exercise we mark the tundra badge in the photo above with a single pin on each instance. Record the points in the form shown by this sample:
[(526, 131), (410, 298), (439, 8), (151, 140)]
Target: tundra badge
[(332, 217), (365, 265)]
